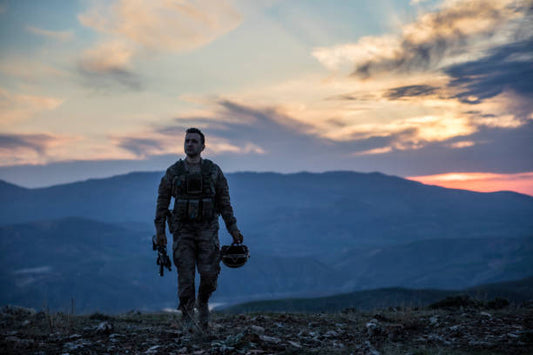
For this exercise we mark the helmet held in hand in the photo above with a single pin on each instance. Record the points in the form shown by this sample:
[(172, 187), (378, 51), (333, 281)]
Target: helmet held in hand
[(234, 255)]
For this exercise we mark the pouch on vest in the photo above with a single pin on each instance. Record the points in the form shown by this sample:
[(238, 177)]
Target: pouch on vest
[(194, 183), (194, 209), (208, 208), (180, 208)]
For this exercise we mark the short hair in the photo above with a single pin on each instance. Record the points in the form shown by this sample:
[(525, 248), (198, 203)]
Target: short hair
[(196, 130)]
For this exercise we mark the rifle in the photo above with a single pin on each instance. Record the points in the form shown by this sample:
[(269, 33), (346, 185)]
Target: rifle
[(162, 258)]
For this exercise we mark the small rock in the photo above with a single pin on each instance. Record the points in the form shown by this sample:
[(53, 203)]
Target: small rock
[(371, 348), (338, 345), (268, 339), (258, 329), (372, 327), (74, 336), (26, 322), (295, 344), (232, 340), (104, 328), (73, 346), (434, 320), (486, 314), (152, 349), (331, 334), (475, 342)]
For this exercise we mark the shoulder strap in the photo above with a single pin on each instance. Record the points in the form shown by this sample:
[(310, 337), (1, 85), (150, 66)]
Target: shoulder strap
[(207, 176), (207, 166), (178, 168)]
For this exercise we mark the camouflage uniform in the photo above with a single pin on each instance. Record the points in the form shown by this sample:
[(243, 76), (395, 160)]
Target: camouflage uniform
[(200, 194)]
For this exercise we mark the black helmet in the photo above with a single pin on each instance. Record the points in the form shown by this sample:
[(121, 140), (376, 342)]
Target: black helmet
[(234, 255)]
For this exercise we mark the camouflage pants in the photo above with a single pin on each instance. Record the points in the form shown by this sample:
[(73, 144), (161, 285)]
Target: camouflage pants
[(196, 245)]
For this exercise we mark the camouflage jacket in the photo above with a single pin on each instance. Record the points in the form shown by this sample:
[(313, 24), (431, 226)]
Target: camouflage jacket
[(219, 188)]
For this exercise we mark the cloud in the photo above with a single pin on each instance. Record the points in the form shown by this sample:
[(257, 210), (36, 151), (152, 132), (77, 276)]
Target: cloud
[(508, 68), (231, 129), (46, 148), (496, 149), (284, 148), (466, 54), (62, 36), (455, 33), (109, 63), (29, 69), (147, 27), (25, 148), (235, 128), (410, 91), (163, 25), (35, 142), (141, 147), (17, 107)]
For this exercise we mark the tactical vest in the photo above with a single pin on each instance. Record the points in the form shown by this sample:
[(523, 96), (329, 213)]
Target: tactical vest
[(194, 193)]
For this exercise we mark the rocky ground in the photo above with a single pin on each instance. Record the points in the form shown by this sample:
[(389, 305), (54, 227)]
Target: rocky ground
[(393, 331)]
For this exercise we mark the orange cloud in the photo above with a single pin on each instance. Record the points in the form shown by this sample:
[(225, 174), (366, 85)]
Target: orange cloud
[(16, 107), (482, 182), (454, 33), (107, 57), (18, 149), (164, 25)]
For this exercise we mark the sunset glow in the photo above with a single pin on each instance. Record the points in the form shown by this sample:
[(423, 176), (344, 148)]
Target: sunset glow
[(482, 182)]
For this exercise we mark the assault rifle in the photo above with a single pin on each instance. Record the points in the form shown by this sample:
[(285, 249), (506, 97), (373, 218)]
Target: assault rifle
[(162, 258)]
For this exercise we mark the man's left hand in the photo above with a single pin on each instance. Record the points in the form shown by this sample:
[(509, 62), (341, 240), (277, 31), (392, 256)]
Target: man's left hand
[(237, 237)]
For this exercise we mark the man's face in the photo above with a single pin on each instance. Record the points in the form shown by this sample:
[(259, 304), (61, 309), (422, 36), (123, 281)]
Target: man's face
[(193, 145)]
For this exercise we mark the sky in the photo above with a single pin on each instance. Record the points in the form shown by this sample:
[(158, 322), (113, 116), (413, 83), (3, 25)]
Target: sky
[(435, 91)]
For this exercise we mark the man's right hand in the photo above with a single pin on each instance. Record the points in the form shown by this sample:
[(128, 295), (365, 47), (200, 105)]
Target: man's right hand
[(162, 240), (237, 236)]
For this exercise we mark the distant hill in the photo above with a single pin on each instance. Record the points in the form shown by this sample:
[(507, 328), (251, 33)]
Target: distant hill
[(441, 263), (111, 268), (514, 291), (309, 235), (303, 214)]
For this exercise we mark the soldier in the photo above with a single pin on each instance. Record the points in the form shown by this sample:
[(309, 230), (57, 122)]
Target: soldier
[(201, 194)]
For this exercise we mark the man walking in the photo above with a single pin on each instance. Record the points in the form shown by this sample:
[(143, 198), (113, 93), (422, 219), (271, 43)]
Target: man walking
[(201, 194)]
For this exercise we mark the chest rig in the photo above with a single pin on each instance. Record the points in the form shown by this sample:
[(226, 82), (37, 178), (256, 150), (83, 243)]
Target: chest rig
[(194, 192)]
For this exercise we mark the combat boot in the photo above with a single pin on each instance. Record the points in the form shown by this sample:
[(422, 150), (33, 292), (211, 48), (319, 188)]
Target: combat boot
[(187, 319), (203, 315)]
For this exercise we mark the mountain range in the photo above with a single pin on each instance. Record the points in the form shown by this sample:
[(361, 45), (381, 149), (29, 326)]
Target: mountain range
[(309, 234), (491, 295)]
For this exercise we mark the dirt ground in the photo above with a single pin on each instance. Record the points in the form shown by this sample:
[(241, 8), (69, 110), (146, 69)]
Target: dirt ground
[(393, 331)]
